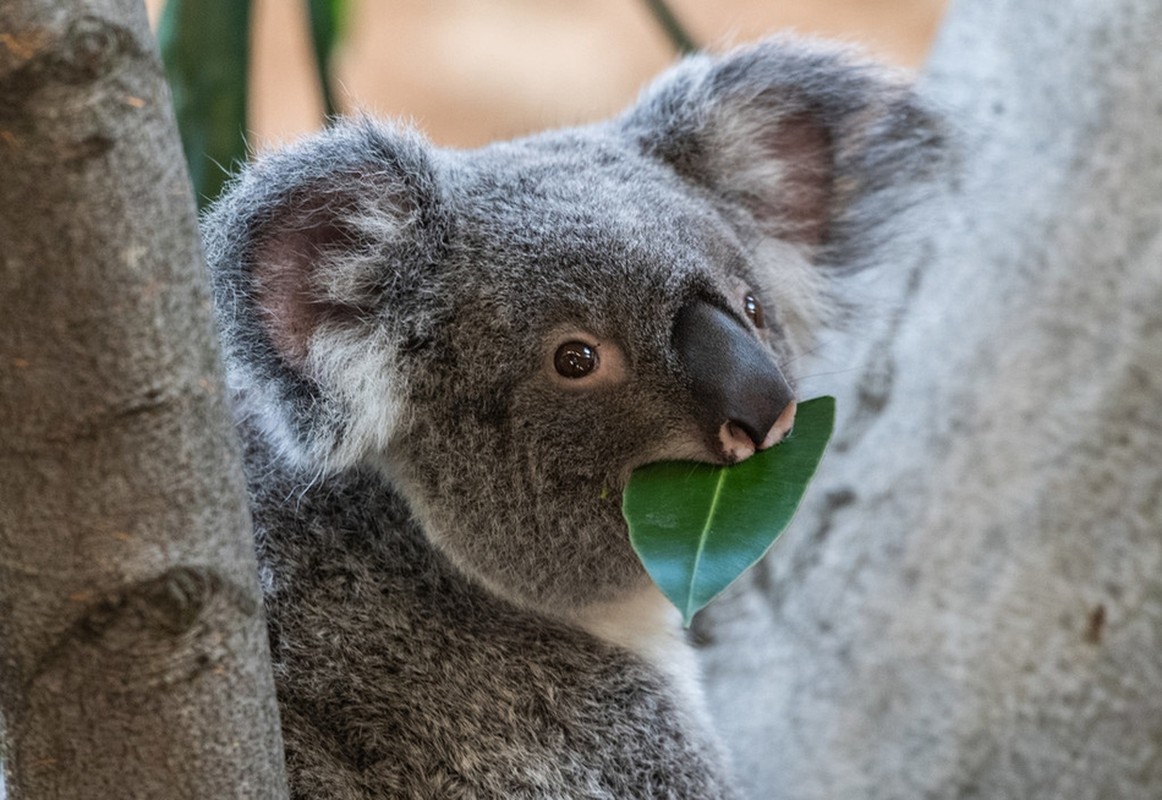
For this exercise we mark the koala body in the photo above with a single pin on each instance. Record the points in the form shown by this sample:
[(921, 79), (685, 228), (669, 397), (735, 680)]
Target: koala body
[(447, 363)]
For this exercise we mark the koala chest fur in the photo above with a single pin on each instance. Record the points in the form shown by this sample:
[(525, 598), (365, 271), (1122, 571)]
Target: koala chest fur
[(399, 678), (448, 363)]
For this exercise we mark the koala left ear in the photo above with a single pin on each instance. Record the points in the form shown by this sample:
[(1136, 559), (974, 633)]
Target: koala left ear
[(321, 258), (813, 143)]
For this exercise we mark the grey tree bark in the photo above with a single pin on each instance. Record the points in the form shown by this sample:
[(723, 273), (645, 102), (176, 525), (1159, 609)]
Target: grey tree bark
[(134, 656), (971, 605)]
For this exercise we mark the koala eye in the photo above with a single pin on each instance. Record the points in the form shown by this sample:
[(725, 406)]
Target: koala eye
[(754, 310), (575, 360)]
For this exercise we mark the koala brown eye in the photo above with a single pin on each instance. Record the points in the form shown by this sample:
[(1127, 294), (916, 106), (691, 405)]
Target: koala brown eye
[(575, 360), (754, 310)]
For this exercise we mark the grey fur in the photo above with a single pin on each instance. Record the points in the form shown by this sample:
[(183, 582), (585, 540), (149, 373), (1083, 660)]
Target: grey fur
[(436, 517)]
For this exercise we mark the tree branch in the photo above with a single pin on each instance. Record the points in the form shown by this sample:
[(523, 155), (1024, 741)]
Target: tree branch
[(134, 651)]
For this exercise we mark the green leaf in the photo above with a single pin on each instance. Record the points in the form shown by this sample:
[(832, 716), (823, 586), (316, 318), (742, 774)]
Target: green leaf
[(697, 527), (328, 20), (205, 47)]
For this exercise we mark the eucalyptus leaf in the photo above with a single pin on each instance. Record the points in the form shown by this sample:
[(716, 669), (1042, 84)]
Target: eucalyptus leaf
[(697, 527)]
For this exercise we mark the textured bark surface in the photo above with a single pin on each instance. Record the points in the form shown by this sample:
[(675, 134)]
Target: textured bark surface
[(971, 606), (134, 656)]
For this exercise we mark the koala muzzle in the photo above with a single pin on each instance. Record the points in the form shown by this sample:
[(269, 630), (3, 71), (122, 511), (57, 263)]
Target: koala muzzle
[(741, 399)]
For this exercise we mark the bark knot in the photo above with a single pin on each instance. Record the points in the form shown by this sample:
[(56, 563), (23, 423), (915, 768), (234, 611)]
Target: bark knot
[(164, 630), (170, 604), (88, 49)]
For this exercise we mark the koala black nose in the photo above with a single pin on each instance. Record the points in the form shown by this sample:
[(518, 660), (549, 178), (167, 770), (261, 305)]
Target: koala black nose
[(734, 383)]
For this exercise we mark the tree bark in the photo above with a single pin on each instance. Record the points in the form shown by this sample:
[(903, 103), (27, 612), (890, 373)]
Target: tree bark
[(971, 604), (134, 654)]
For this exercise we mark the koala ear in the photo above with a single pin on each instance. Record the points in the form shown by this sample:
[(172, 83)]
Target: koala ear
[(814, 144), (320, 257)]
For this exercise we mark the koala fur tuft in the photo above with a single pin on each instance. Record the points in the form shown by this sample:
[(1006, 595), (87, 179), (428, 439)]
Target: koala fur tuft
[(448, 362)]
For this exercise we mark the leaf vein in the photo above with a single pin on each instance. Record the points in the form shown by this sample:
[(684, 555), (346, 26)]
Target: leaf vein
[(703, 537)]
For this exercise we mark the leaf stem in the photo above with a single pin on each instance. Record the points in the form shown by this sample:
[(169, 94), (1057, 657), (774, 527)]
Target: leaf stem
[(327, 18), (679, 38)]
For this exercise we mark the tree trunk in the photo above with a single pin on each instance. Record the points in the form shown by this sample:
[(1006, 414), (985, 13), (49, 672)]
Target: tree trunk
[(134, 655), (971, 604)]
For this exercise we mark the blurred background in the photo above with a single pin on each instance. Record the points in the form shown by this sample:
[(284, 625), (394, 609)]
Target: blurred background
[(469, 71)]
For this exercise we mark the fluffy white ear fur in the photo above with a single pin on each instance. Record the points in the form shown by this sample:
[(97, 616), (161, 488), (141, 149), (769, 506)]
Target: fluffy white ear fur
[(312, 250), (320, 287), (357, 364)]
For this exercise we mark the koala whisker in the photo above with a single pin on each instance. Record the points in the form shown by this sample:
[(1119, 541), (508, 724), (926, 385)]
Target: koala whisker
[(844, 371), (811, 351)]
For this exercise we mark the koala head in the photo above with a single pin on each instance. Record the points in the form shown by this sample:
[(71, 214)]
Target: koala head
[(507, 332)]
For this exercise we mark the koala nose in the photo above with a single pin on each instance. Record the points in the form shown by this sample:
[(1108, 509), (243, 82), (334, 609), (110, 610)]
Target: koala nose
[(740, 397)]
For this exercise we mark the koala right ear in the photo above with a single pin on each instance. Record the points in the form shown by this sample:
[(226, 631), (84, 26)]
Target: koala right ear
[(813, 143), (314, 252)]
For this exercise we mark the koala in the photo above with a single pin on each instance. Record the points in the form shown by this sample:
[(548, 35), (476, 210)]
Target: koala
[(447, 363)]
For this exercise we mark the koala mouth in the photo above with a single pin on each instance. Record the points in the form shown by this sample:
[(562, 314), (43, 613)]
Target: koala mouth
[(738, 445), (733, 445)]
